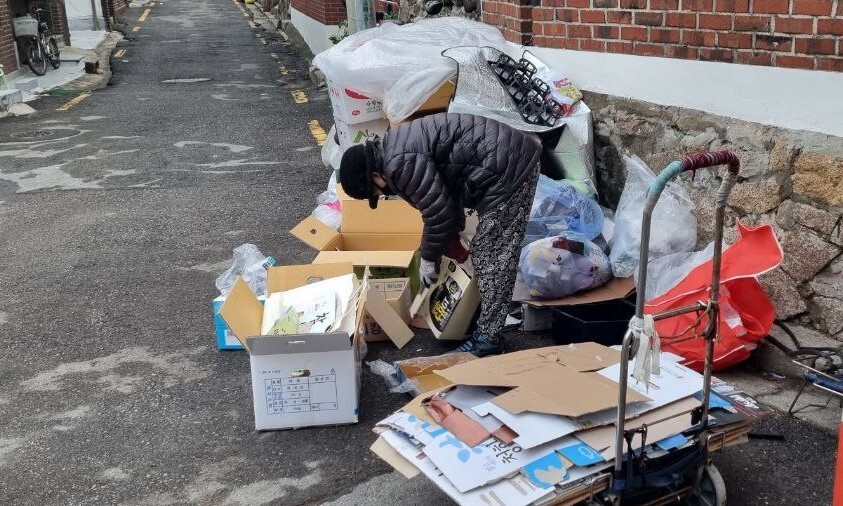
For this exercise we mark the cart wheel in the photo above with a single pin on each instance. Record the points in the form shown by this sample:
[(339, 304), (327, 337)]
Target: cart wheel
[(711, 491)]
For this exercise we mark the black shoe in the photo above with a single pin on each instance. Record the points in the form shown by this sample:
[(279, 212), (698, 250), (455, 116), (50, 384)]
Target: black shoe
[(480, 345)]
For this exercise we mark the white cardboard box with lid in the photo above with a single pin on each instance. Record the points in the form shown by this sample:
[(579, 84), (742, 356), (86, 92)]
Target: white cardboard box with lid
[(302, 380)]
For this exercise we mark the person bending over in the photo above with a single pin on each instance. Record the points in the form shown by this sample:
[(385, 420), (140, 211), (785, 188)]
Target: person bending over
[(446, 163)]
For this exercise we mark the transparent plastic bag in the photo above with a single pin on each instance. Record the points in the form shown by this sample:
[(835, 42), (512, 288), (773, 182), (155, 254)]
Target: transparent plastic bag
[(665, 272), (403, 65), (401, 376), (328, 215), (674, 227), (329, 210), (395, 381), (558, 208), (560, 266), (249, 263)]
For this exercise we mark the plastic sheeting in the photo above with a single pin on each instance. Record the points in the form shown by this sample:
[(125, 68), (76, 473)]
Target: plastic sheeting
[(403, 64), (479, 92)]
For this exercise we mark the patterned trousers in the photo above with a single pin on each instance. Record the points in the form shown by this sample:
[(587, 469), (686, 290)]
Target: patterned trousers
[(495, 251)]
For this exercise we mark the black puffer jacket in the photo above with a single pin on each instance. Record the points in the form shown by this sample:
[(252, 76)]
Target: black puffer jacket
[(444, 163)]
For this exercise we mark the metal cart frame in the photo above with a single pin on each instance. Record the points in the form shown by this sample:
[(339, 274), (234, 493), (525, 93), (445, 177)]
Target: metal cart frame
[(679, 474)]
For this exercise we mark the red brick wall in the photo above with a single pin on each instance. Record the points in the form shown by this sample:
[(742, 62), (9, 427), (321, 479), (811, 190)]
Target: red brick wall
[(57, 20), (805, 34), (327, 12), (7, 41)]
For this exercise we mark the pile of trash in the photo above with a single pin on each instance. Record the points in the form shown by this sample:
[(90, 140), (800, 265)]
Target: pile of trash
[(381, 77), (510, 429), (365, 276)]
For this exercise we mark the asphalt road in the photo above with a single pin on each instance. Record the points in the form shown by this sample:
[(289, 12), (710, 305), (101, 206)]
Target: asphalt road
[(116, 216)]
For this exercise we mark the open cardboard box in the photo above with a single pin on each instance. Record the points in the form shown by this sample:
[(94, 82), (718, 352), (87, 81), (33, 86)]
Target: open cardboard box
[(396, 293), (301, 380), (385, 239)]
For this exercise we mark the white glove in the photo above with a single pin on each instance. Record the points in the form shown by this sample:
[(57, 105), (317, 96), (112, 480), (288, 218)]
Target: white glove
[(428, 272)]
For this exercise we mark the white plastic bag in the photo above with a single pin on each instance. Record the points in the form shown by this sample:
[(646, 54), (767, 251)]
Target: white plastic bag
[(674, 227), (403, 65), (249, 263), (560, 266), (331, 151)]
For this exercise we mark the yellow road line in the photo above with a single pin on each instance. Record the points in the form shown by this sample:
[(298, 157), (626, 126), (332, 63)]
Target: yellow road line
[(143, 16), (73, 101), (299, 97), (119, 53), (318, 132), (136, 29)]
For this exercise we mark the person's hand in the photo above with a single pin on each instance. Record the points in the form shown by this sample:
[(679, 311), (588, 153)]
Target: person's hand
[(428, 272), (456, 250)]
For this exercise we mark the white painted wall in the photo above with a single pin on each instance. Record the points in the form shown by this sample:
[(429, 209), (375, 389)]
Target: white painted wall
[(314, 33), (788, 98), (79, 14)]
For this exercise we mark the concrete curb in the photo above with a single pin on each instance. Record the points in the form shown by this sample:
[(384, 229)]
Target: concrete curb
[(100, 78), (285, 29)]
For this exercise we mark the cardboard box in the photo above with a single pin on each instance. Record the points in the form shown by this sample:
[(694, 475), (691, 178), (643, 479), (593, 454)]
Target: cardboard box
[(452, 302), (385, 239), (396, 292), (352, 107), (301, 380), (557, 380), (441, 98), (226, 340), (358, 133), (438, 102)]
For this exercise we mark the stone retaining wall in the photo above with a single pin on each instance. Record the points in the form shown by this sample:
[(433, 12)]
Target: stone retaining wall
[(792, 180)]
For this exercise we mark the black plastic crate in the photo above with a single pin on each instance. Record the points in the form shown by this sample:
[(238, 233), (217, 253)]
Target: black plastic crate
[(600, 322)]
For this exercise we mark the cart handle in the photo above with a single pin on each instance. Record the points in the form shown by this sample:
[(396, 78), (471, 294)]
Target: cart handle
[(700, 161)]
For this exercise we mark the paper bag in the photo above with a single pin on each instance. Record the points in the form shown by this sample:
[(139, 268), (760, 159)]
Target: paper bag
[(451, 302)]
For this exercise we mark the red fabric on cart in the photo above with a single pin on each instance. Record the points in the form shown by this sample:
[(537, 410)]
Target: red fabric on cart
[(755, 252)]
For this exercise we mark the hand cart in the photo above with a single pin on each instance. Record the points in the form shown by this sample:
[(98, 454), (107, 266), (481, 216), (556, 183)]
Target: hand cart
[(686, 475)]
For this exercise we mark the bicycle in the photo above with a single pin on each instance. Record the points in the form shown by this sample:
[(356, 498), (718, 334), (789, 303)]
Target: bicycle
[(42, 47)]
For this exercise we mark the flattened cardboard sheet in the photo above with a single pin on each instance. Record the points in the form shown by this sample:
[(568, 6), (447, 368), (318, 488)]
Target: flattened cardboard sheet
[(552, 380), (617, 288)]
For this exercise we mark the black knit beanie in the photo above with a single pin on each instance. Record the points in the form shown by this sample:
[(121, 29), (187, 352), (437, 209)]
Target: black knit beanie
[(355, 174)]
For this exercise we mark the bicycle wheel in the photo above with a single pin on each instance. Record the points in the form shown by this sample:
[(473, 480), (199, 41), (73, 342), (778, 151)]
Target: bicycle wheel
[(35, 58), (53, 51)]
